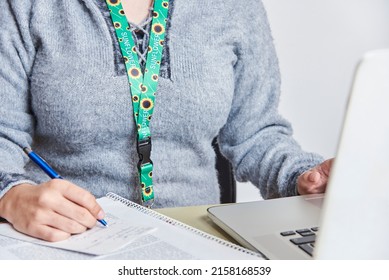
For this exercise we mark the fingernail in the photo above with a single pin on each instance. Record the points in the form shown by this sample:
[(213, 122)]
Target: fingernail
[(101, 215)]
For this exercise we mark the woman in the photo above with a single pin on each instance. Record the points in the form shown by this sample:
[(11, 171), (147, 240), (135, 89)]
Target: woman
[(65, 78)]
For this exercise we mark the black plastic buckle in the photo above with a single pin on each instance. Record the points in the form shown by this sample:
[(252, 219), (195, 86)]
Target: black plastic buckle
[(144, 151)]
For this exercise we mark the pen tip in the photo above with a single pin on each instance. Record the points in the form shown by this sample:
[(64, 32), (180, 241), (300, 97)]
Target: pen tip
[(103, 222)]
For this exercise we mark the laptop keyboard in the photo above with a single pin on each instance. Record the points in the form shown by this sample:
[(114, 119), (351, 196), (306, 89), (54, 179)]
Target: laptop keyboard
[(302, 238)]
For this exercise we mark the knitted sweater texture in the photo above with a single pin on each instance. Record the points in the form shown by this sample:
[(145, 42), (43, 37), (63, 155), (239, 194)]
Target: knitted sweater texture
[(62, 95)]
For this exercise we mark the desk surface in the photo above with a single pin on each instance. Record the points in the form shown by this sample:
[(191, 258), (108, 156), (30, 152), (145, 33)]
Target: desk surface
[(196, 216)]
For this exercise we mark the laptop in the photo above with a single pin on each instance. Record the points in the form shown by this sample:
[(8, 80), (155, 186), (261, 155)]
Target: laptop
[(349, 221)]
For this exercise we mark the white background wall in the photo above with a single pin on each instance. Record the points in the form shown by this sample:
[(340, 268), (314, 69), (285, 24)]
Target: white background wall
[(319, 43)]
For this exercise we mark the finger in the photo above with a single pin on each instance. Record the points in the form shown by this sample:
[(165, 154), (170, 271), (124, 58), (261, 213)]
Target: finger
[(325, 167), (74, 212), (65, 224), (312, 176), (51, 219), (50, 234), (311, 182), (83, 198), (44, 232), (53, 200)]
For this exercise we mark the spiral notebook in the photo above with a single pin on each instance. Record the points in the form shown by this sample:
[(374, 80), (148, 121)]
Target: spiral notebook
[(169, 239)]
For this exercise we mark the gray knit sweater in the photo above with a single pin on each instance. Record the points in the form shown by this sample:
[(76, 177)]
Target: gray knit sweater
[(61, 93)]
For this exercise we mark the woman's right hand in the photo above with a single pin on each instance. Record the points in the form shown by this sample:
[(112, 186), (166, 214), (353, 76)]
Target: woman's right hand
[(51, 211)]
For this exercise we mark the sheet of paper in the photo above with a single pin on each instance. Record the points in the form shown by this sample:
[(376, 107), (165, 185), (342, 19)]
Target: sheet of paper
[(171, 242), (167, 240), (14, 249), (99, 240)]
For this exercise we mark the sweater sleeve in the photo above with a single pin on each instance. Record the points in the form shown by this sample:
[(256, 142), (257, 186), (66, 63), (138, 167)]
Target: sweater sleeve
[(256, 139), (16, 121)]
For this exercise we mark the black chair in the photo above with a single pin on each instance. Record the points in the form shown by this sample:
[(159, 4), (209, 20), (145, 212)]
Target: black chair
[(225, 176)]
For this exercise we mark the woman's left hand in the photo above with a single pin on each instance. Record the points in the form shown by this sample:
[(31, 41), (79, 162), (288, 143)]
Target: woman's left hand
[(315, 180)]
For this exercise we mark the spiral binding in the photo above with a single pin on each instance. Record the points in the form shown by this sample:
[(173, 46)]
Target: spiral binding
[(174, 222)]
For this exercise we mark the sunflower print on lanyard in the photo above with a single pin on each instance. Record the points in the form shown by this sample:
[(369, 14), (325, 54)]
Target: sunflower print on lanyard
[(143, 86)]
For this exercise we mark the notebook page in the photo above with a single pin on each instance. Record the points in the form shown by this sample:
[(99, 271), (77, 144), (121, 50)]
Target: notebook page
[(172, 239), (99, 240)]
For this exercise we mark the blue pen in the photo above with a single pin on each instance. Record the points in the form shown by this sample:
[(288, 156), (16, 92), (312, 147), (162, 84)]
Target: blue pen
[(48, 170)]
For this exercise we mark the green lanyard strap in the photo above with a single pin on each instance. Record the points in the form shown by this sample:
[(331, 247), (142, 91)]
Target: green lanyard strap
[(143, 86)]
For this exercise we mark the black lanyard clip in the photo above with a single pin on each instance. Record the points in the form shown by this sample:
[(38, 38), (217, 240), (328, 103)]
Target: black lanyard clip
[(144, 151)]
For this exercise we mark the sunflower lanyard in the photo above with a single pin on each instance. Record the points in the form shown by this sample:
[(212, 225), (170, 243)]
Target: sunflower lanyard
[(143, 87)]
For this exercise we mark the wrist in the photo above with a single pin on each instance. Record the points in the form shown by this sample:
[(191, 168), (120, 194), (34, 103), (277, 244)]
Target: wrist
[(9, 199)]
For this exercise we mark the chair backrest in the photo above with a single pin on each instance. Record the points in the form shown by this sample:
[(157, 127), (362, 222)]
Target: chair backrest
[(226, 177)]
